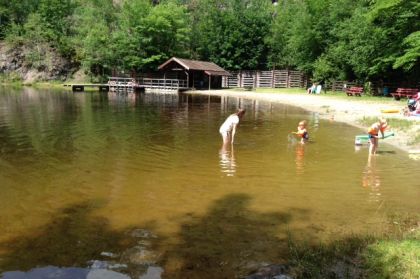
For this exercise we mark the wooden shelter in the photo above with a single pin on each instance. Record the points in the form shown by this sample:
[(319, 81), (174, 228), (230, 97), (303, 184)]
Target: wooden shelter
[(198, 74)]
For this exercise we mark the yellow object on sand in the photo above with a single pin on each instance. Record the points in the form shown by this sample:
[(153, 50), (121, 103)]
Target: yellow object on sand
[(390, 110)]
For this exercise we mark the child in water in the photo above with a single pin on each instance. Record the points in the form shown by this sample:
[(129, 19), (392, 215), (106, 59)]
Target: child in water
[(373, 132), (302, 132)]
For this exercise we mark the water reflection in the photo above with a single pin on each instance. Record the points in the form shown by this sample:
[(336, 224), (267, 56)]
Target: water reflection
[(121, 98), (371, 179), (299, 159), (227, 160), (315, 121)]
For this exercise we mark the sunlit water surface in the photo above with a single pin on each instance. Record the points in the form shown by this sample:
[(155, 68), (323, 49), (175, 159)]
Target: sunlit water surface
[(105, 185)]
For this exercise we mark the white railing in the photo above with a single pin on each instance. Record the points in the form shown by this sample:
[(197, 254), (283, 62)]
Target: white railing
[(168, 84), (158, 84), (122, 82)]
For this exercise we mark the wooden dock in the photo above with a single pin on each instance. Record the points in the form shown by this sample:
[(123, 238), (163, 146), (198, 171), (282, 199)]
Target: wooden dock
[(82, 86), (122, 84)]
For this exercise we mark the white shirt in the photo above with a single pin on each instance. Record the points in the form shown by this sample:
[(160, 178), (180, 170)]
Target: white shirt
[(231, 121)]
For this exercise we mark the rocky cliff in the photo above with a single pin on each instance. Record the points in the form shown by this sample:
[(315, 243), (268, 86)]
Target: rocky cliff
[(34, 63)]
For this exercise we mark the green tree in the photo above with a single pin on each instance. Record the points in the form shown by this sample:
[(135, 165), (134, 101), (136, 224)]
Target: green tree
[(15, 12), (148, 35), (57, 17), (231, 32), (411, 52), (93, 28), (348, 55), (398, 23)]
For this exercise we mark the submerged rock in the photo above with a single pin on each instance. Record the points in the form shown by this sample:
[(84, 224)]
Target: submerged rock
[(142, 233), (140, 256), (270, 272)]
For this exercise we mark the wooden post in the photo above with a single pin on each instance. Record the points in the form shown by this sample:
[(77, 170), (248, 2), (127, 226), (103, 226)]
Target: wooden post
[(104, 88), (257, 79), (273, 84), (188, 79), (78, 88), (209, 82)]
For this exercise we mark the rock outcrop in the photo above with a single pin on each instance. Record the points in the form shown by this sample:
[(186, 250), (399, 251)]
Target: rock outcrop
[(34, 63)]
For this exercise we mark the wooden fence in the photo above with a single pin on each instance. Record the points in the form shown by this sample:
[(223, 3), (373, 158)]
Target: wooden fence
[(282, 79), (266, 79)]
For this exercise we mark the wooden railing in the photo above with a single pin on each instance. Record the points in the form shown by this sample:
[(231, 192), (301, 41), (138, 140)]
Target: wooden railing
[(165, 84), (122, 83)]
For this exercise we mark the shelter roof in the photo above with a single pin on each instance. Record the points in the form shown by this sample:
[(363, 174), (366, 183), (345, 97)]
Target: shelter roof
[(209, 67)]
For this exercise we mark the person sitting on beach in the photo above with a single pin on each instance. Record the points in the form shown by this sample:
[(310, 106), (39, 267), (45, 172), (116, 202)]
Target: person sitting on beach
[(312, 89), (318, 89), (373, 133), (228, 128), (417, 105), (302, 132), (413, 106)]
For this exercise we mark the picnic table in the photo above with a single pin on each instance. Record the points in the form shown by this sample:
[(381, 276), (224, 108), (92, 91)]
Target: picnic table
[(404, 93), (355, 91)]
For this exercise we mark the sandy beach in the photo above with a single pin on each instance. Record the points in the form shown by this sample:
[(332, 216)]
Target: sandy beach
[(349, 110)]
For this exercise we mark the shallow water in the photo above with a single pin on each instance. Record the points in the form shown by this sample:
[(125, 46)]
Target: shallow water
[(137, 186)]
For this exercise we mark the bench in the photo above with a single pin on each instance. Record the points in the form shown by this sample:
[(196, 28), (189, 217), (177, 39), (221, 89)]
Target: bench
[(404, 93), (354, 91)]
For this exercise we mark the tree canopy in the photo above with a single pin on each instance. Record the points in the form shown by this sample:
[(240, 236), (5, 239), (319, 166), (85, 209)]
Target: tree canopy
[(328, 39)]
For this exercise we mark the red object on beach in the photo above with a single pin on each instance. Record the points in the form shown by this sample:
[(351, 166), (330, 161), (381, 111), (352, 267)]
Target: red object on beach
[(405, 93), (355, 91)]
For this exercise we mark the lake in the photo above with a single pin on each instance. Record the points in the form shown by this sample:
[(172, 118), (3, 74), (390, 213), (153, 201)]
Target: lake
[(117, 185)]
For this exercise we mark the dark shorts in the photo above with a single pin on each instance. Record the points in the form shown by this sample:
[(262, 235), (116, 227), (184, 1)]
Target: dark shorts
[(372, 136)]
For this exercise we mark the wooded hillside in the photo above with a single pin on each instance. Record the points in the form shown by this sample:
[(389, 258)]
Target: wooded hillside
[(327, 39)]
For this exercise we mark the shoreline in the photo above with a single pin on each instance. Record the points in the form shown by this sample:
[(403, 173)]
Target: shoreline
[(341, 110)]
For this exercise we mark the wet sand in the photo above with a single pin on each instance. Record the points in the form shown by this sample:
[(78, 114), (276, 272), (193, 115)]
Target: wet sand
[(338, 109)]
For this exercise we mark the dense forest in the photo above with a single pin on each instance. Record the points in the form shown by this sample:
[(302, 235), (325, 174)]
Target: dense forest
[(327, 39)]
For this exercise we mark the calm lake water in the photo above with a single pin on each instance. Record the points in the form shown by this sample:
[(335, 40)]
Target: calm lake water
[(105, 185)]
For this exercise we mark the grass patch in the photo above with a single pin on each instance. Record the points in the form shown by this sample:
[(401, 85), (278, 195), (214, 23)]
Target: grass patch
[(415, 140), (339, 259), (393, 254), (281, 90), (393, 258), (55, 84), (12, 79), (397, 253), (329, 94), (404, 126), (396, 123)]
